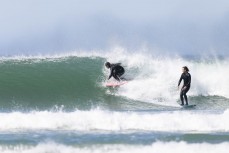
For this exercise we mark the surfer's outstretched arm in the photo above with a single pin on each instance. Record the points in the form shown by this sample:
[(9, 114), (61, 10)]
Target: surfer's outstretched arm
[(111, 73), (109, 76), (179, 81)]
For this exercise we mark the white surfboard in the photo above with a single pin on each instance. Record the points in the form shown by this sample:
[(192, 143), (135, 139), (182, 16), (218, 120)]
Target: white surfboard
[(188, 106)]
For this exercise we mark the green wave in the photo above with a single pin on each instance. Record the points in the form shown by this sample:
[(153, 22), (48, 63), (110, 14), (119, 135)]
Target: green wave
[(45, 83)]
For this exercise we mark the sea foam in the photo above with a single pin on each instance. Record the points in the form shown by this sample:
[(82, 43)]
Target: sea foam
[(157, 147), (94, 120)]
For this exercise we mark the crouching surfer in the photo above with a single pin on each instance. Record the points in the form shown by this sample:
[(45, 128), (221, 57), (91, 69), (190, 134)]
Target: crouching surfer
[(116, 70)]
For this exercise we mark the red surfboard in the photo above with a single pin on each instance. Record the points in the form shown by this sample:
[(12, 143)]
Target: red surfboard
[(115, 84)]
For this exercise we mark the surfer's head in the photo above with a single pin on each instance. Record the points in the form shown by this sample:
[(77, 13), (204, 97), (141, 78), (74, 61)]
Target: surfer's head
[(108, 65), (185, 69)]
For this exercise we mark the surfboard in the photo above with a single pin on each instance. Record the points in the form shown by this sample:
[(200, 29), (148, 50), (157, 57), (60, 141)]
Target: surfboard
[(188, 106), (115, 84)]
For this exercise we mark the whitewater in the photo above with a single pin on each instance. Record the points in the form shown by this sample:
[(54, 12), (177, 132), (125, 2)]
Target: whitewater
[(59, 103)]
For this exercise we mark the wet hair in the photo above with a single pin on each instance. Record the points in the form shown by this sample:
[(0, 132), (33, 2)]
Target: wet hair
[(186, 68), (108, 65)]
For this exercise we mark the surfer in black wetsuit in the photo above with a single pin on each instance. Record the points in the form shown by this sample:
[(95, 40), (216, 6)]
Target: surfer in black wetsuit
[(116, 70), (186, 86)]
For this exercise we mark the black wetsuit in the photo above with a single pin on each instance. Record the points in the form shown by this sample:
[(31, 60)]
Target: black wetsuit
[(187, 83), (116, 70)]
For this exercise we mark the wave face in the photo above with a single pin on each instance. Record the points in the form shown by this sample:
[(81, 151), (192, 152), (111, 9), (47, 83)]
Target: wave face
[(44, 83), (77, 82)]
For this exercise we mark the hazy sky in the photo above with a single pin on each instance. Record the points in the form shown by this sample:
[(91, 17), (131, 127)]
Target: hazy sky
[(44, 26)]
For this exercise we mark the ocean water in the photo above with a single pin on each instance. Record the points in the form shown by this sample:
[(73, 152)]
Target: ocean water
[(59, 104)]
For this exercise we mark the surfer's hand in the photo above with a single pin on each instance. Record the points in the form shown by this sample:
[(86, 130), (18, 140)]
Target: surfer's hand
[(184, 88)]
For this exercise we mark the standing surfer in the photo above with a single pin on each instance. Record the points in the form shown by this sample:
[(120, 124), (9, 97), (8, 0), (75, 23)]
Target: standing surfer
[(116, 70), (186, 86)]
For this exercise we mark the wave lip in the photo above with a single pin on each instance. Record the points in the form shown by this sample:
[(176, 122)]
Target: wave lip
[(95, 120)]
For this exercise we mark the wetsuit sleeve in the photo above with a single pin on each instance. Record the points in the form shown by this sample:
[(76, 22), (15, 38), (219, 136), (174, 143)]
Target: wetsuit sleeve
[(180, 79), (111, 73)]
